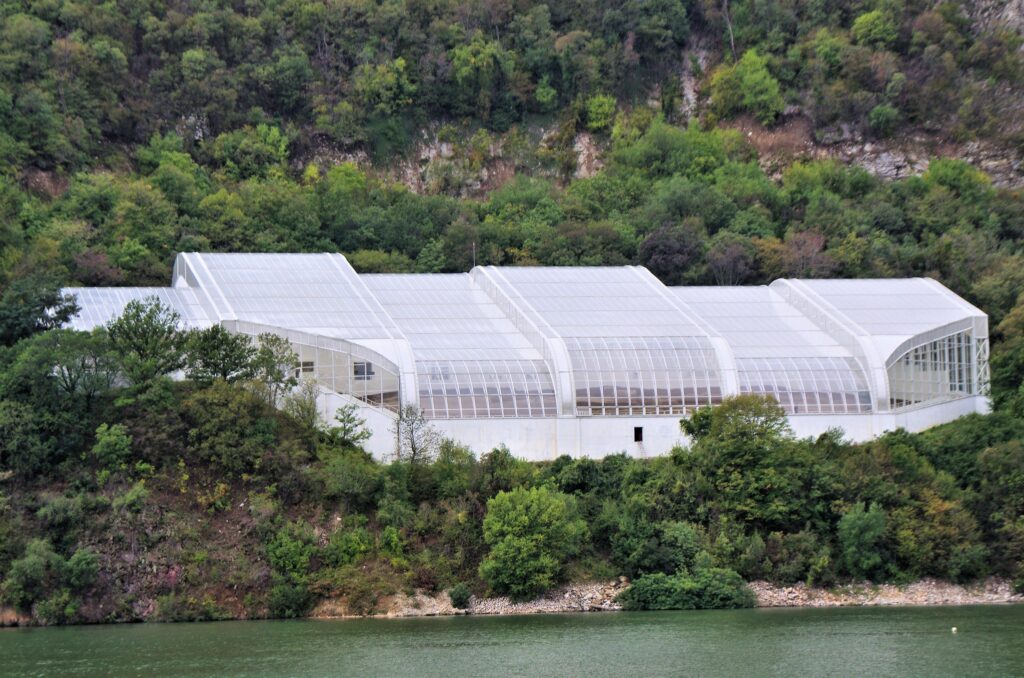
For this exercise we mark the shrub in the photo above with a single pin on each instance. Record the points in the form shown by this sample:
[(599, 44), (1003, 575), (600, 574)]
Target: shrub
[(532, 534), (80, 570), (290, 552), (288, 601), (747, 86), (460, 596), (600, 112), (709, 589), (32, 575), (883, 119), (860, 534), (348, 546), (113, 446), (875, 29)]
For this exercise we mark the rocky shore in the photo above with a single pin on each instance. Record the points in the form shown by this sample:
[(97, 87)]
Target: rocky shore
[(600, 597), (924, 592)]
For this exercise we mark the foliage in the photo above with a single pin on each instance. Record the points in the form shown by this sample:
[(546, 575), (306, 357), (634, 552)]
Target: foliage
[(747, 86), (215, 353), (31, 305), (531, 534), (113, 446), (860, 532), (708, 589), (148, 341), (460, 596)]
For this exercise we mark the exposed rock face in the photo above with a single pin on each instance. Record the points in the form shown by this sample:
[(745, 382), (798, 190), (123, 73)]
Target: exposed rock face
[(794, 139), (588, 156), (924, 592), (987, 14), (572, 598), (599, 597)]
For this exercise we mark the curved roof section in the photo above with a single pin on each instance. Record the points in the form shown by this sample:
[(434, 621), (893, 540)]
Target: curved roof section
[(892, 312), (597, 301), (314, 293), (758, 323), (448, 317), (100, 305)]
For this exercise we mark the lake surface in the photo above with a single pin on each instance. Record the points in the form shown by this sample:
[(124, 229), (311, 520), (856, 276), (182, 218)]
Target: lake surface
[(823, 642)]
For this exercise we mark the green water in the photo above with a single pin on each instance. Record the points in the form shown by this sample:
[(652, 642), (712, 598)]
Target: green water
[(838, 642)]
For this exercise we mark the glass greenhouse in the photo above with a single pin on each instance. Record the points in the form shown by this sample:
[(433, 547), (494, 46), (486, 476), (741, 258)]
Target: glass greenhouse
[(588, 360)]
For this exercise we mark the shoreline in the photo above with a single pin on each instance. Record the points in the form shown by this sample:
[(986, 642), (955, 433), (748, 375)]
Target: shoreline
[(600, 597)]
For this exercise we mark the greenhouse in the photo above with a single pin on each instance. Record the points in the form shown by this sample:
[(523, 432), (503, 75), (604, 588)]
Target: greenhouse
[(587, 360)]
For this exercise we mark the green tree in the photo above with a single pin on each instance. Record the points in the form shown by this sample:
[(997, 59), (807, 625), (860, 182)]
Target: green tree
[(113, 446), (600, 112), (215, 353), (875, 29), (860, 537), (32, 305), (747, 86), (532, 533), (148, 340)]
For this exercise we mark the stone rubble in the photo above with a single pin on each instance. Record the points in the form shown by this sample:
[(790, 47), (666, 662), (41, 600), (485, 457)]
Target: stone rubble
[(924, 592)]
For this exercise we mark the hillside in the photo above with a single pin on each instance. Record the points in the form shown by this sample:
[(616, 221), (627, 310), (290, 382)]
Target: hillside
[(713, 142)]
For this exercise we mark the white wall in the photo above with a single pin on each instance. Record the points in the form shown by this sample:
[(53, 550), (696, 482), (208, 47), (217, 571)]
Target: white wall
[(596, 437)]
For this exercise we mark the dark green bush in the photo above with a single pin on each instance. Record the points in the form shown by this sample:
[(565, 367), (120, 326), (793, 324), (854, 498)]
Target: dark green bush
[(709, 589), (460, 596), (289, 600)]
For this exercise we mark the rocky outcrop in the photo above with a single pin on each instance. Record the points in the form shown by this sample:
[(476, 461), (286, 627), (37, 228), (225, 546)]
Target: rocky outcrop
[(591, 597), (11, 617), (572, 598), (924, 592)]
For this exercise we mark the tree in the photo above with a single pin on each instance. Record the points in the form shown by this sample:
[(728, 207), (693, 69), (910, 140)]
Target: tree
[(860, 535), (32, 305), (416, 441), (148, 340), (600, 112), (675, 253), (532, 533), (113, 446), (274, 367), (215, 353), (875, 29), (23, 447), (84, 364), (747, 86), (351, 429)]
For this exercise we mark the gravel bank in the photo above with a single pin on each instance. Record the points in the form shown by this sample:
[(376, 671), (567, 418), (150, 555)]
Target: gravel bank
[(600, 597), (924, 592)]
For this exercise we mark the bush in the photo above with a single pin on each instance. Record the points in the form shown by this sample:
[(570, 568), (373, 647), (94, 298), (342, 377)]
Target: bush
[(33, 575), (460, 596), (532, 534), (600, 112), (290, 552), (348, 546), (875, 29), (747, 86), (113, 446), (860, 535), (288, 601), (709, 589), (883, 119)]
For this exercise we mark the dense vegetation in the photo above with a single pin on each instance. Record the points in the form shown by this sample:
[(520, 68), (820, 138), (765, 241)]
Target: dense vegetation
[(126, 495), (130, 131)]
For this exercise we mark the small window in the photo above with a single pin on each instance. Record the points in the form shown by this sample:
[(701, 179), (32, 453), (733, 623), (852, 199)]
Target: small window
[(362, 371), (305, 367), (638, 434)]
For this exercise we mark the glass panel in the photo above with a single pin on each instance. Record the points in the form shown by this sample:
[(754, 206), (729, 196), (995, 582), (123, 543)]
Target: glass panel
[(935, 371)]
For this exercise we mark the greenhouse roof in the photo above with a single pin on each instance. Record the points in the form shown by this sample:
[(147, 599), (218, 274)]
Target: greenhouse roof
[(603, 340)]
